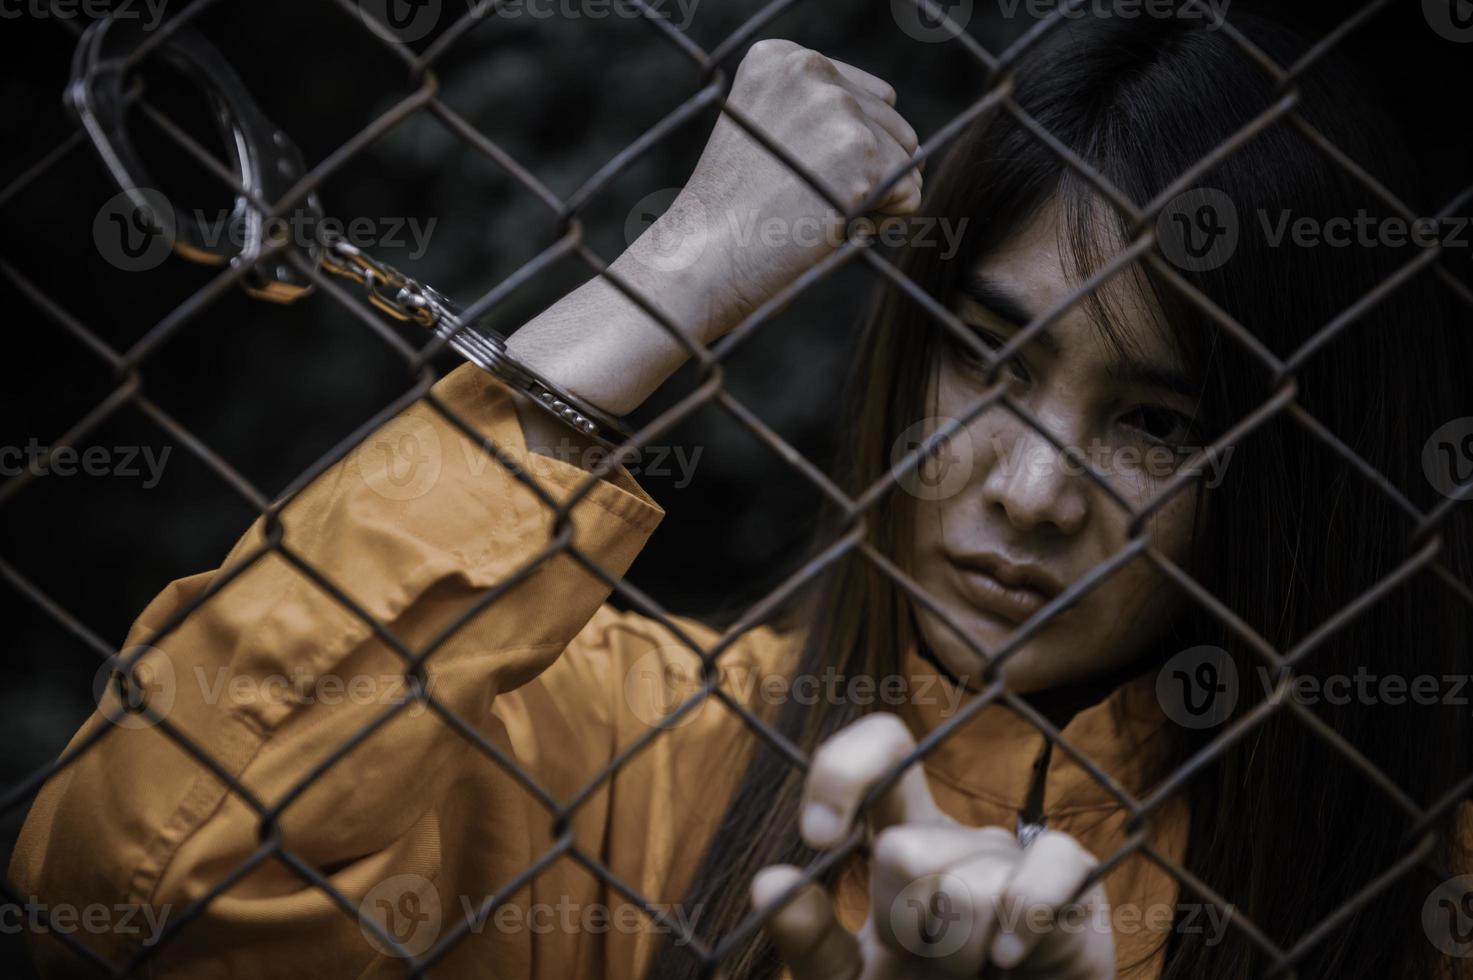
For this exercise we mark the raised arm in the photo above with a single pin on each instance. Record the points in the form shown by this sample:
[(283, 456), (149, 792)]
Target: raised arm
[(286, 666)]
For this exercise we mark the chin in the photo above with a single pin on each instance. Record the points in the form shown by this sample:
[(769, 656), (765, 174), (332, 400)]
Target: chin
[(1028, 669)]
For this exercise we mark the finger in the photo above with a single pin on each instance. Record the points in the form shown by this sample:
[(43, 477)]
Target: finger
[(903, 198), (1042, 888), (862, 79), (890, 122), (845, 767), (805, 932), (932, 891)]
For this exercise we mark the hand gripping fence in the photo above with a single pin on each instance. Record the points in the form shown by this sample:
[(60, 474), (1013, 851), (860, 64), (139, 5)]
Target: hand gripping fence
[(267, 175)]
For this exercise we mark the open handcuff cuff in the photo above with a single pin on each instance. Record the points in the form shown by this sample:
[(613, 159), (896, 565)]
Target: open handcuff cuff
[(267, 163)]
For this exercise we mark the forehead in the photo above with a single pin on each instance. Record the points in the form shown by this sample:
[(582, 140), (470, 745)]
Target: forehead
[(1031, 266)]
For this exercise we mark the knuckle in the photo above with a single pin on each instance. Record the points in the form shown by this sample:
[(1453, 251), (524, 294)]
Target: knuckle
[(838, 99), (846, 139), (846, 757), (886, 725), (903, 848), (833, 761), (1065, 848), (997, 837), (806, 61), (770, 49)]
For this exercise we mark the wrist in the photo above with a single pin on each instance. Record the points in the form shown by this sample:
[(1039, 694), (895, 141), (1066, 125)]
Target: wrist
[(682, 266)]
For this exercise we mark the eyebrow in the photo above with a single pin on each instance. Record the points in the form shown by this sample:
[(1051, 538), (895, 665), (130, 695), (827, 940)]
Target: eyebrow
[(1009, 307), (1002, 303)]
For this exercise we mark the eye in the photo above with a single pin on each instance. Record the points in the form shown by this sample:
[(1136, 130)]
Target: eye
[(994, 343), (1159, 424)]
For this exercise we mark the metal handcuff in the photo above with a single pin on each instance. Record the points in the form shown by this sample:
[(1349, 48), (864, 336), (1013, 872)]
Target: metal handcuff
[(266, 163)]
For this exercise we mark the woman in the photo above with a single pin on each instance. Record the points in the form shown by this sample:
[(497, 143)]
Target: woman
[(327, 827)]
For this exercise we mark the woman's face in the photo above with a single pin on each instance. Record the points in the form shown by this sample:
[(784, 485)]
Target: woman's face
[(1004, 522)]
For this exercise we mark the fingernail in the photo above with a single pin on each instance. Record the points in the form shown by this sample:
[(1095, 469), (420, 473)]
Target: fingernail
[(820, 824), (1007, 950)]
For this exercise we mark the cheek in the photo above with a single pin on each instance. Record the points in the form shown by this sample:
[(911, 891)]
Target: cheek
[(1171, 530), (1135, 606)]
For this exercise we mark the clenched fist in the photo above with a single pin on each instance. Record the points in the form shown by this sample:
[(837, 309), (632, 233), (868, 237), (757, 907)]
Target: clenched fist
[(746, 224)]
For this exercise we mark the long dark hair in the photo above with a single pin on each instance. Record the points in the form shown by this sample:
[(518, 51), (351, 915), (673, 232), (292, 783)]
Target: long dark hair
[(1282, 825)]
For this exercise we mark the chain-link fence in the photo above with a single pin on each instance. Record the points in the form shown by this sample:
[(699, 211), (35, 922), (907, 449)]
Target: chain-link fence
[(270, 180)]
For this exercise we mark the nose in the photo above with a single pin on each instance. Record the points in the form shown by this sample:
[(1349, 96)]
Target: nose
[(1032, 484)]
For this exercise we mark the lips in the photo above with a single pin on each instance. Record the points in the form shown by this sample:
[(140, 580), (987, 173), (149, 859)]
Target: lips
[(1011, 591)]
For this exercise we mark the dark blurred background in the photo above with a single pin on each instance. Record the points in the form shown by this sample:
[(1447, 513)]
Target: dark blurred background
[(271, 388)]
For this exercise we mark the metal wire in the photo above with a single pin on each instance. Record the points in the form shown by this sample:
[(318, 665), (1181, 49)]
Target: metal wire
[(421, 96)]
